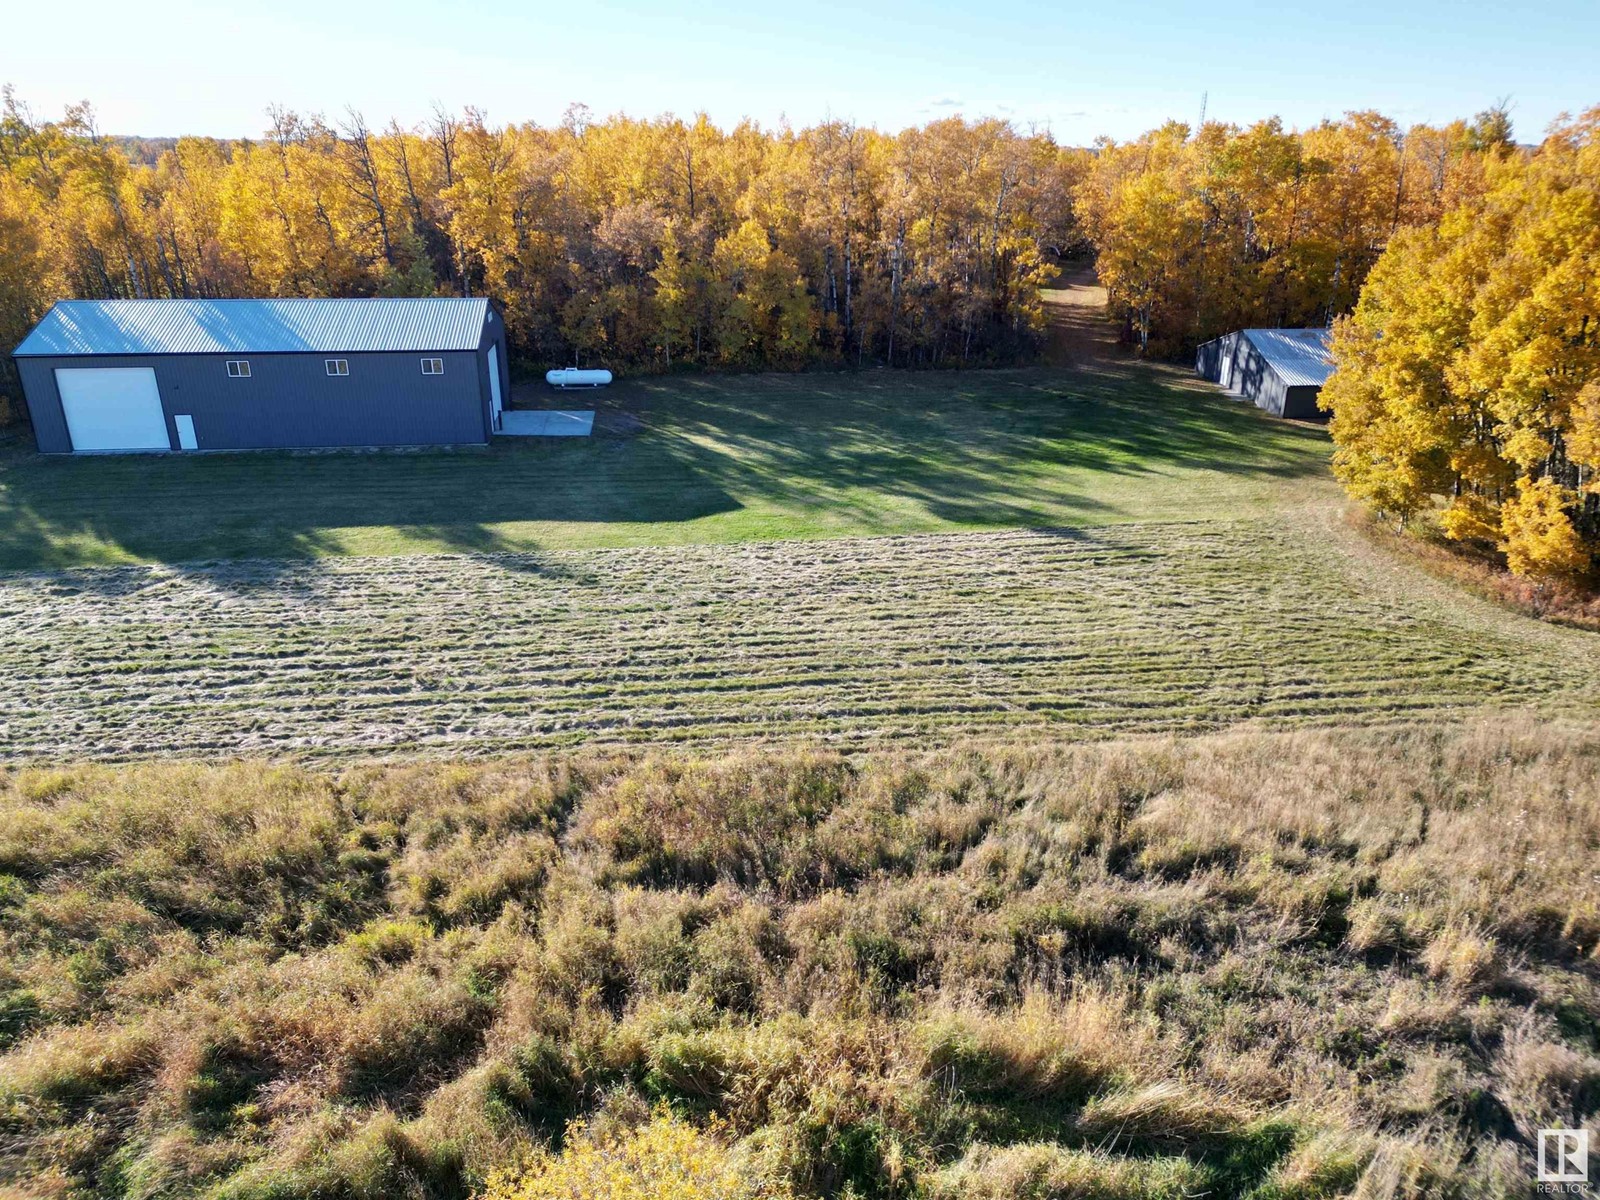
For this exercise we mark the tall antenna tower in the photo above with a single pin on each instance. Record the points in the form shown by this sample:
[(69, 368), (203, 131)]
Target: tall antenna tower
[(1204, 96)]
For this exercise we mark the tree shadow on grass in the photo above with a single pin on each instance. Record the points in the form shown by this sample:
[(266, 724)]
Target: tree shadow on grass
[(987, 448), (64, 512), (1235, 1160)]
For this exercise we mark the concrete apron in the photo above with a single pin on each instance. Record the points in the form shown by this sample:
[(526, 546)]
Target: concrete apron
[(546, 423)]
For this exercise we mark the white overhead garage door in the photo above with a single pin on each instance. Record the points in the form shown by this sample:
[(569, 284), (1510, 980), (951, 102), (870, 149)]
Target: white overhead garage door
[(112, 408)]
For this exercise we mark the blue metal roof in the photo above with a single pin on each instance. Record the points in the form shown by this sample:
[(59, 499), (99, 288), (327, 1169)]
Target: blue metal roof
[(75, 327), (1299, 355)]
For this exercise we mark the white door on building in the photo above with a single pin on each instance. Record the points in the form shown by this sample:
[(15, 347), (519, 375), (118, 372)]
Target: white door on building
[(112, 408), (494, 385)]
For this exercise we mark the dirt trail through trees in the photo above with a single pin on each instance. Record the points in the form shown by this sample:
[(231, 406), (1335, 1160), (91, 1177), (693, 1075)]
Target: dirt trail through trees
[(1076, 330)]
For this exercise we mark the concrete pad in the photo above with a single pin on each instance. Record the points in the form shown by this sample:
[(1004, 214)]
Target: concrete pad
[(546, 423)]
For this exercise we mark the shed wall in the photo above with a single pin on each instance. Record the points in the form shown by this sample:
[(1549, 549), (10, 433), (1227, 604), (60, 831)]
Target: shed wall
[(289, 401), (1213, 360), (1252, 375), (1269, 391), (494, 334), (44, 403), (1235, 362), (1300, 402)]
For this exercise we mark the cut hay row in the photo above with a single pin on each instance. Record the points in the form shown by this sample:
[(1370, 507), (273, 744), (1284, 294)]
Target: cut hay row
[(1121, 629)]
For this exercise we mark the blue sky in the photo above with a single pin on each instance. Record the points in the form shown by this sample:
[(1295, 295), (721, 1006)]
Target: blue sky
[(1079, 69)]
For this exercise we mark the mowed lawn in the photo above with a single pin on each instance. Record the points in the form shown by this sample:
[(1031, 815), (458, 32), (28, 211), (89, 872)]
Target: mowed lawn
[(1178, 628), (700, 460), (863, 559)]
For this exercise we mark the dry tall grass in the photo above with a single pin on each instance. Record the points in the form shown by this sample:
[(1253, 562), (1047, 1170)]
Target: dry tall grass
[(1308, 964)]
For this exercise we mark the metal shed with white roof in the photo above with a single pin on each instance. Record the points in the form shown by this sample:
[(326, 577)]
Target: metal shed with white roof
[(119, 376), (1281, 370)]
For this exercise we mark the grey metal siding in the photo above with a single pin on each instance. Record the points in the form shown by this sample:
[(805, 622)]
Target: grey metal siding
[(289, 401), (1250, 371), (1213, 360), (1269, 390), (1246, 371), (494, 334), (44, 404), (1300, 403)]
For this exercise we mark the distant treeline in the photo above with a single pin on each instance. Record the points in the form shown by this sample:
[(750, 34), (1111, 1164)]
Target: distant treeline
[(1200, 234), (143, 151), (649, 244)]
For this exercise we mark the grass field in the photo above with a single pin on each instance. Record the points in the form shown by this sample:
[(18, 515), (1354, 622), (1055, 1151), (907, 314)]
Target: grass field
[(1276, 966), (781, 816), (697, 460), (1106, 549), (1133, 627)]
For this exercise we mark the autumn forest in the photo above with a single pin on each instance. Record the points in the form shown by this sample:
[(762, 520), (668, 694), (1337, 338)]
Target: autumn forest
[(654, 243)]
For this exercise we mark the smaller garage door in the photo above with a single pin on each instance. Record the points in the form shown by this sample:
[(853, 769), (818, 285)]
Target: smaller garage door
[(112, 408)]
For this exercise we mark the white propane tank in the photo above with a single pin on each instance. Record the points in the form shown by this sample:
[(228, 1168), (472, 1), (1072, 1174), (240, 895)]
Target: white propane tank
[(567, 377)]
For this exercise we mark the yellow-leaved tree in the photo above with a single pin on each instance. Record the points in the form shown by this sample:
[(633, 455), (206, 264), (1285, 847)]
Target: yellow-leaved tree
[(663, 1159), (1198, 232), (1468, 376)]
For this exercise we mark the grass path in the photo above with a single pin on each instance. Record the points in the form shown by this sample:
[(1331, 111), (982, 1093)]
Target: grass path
[(1166, 627)]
